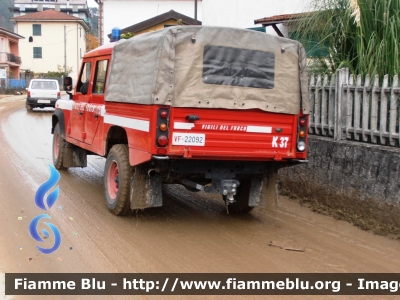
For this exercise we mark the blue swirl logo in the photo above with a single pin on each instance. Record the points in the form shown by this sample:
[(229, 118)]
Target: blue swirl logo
[(40, 202)]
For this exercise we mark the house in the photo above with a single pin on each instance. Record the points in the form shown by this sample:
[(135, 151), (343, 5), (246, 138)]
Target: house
[(122, 14), (53, 40), (162, 21), (76, 8), (10, 60)]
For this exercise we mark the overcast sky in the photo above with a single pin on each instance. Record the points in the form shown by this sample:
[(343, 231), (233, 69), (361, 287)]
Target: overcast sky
[(92, 3)]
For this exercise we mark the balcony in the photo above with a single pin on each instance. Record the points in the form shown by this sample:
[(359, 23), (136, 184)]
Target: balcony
[(9, 57)]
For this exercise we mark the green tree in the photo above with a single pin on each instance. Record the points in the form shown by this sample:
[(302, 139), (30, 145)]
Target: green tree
[(363, 35)]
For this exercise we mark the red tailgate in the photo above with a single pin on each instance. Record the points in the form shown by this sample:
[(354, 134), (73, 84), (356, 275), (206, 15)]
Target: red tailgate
[(253, 134)]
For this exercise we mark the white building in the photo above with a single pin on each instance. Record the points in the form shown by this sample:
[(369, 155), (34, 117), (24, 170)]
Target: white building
[(52, 39), (124, 13), (241, 14)]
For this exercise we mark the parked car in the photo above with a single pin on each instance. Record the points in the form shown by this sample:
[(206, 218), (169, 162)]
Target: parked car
[(42, 93)]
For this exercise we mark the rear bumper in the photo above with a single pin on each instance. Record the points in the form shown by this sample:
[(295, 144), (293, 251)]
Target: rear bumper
[(36, 102)]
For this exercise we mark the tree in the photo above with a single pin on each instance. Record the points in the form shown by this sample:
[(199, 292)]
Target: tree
[(127, 35), (91, 42), (362, 35)]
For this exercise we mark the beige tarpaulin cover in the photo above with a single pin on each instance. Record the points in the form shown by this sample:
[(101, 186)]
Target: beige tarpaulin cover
[(166, 68)]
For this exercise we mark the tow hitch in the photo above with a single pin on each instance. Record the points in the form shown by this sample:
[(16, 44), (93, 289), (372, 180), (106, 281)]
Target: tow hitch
[(226, 187)]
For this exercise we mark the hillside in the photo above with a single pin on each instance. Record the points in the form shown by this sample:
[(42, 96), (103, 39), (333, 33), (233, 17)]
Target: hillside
[(5, 14)]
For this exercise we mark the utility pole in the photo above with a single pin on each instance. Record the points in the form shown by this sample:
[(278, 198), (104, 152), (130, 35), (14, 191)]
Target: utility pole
[(195, 10), (65, 48), (100, 34)]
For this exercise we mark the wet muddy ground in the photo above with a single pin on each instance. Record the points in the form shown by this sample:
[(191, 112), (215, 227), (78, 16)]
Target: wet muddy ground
[(190, 233)]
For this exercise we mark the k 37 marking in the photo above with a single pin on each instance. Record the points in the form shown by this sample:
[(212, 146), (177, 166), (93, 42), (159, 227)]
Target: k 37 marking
[(282, 143)]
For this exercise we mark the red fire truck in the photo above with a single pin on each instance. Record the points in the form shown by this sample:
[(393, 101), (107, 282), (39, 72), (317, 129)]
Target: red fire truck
[(214, 109)]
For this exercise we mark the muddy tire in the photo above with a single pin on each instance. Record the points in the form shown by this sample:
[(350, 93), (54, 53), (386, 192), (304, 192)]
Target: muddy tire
[(241, 204), (28, 107), (58, 148), (117, 177)]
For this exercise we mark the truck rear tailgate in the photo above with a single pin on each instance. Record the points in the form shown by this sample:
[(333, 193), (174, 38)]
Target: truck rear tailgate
[(253, 134)]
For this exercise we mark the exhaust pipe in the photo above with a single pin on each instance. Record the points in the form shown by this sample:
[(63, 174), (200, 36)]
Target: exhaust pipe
[(151, 172)]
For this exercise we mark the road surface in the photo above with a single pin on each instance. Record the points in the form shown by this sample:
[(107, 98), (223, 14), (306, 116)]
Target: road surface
[(190, 233)]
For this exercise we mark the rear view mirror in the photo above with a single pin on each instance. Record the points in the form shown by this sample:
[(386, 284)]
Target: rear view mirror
[(68, 84)]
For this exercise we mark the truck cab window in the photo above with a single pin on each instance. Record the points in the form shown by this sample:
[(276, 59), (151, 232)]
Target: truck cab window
[(85, 75), (100, 77)]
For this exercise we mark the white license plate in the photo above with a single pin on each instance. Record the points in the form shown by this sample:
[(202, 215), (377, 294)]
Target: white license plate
[(43, 101), (188, 139)]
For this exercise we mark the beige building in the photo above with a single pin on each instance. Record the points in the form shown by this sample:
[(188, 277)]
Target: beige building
[(52, 39)]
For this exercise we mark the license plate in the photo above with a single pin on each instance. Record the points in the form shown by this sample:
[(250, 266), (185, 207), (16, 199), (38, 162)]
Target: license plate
[(188, 139), (43, 101)]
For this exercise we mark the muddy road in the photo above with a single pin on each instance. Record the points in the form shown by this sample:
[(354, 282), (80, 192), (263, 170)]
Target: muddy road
[(190, 233)]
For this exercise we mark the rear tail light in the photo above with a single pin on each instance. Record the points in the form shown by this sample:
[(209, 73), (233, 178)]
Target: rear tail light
[(162, 141), (162, 131), (164, 114), (29, 94), (301, 146), (58, 94), (302, 130)]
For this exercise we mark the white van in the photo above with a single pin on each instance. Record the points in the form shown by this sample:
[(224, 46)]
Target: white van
[(42, 93)]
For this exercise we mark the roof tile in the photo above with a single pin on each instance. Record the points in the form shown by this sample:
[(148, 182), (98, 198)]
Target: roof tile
[(46, 15)]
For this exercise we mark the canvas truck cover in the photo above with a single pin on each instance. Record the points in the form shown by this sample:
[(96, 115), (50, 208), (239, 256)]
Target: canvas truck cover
[(210, 67)]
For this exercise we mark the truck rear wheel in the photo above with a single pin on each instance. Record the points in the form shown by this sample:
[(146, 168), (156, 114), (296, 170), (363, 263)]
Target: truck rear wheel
[(58, 148), (241, 204), (28, 107), (117, 176)]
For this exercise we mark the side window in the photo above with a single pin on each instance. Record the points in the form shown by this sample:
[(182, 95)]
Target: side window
[(100, 77), (36, 29), (85, 75)]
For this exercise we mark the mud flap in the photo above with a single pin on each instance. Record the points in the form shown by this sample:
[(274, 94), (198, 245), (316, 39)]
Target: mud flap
[(74, 156), (146, 191), (264, 190)]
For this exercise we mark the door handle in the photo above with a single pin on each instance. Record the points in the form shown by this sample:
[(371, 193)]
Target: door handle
[(192, 118), (80, 112)]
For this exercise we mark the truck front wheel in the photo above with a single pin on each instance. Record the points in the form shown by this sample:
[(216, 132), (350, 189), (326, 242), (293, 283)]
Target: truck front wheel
[(117, 176), (58, 148)]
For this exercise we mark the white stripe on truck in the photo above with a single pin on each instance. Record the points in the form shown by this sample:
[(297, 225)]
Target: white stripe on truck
[(259, 129), (183, 125), (127, 122)]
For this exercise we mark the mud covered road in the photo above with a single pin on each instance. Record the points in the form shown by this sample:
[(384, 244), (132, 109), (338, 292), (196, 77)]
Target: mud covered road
[(190, 233)]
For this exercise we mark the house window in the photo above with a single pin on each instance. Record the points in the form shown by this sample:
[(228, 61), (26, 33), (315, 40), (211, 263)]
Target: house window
[(36, 29), (37, 52)]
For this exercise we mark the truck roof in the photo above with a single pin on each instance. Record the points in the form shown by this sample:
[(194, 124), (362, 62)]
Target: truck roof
[(101, 50), (209, 67)]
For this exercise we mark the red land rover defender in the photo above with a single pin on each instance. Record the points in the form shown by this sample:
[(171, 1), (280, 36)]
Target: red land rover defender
[(214, 109)]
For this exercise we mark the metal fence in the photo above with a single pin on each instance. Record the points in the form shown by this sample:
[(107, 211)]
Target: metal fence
[(345, 107)]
